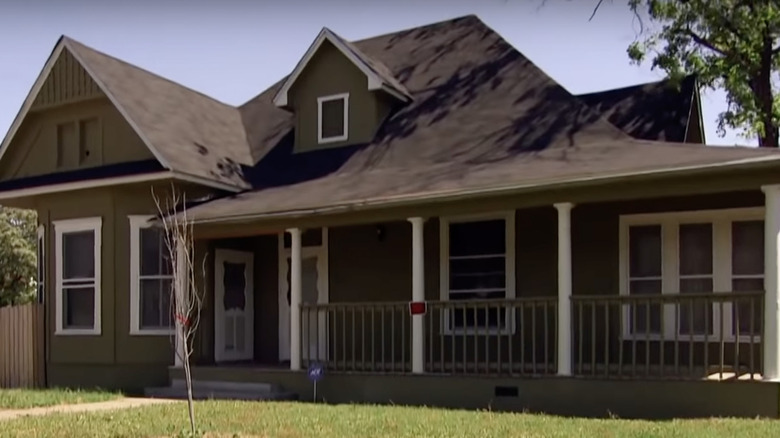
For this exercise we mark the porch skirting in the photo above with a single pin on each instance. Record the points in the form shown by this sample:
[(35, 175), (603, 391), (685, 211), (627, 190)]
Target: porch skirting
[(553, 395)]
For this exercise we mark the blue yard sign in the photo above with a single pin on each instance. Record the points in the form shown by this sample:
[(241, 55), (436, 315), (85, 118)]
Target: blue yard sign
[(316, 373)]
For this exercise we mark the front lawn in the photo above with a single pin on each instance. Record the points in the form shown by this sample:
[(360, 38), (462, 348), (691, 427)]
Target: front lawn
[(31, 398), (229, 419)]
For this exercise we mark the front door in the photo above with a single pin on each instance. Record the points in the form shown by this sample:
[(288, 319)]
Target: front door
[(314, 290), (233, 305)]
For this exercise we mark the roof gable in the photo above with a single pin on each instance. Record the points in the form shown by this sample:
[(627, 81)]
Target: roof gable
[(188, 133), (378, 76)]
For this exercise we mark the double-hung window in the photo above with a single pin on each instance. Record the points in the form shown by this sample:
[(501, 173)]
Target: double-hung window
[(693, 253), (78, 247), (477, 263), (151, 279)]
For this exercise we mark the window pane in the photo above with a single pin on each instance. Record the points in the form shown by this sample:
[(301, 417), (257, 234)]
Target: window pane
[(477, 238), (747, 248), (79, 307), (644, 251), (332, 118), (482, 273), (696, 316), (155, 259), (78, 255), (642, 314), (155, 303), (742, 308), (695, 249)]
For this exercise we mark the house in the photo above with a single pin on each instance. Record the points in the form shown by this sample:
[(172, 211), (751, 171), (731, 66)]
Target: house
[(425, 213)]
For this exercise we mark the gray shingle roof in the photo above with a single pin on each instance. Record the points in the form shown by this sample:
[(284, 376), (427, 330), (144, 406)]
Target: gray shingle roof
[(193, 133)]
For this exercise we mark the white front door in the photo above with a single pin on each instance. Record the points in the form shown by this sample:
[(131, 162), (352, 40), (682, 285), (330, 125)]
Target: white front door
[(233, 305), (314, 273)]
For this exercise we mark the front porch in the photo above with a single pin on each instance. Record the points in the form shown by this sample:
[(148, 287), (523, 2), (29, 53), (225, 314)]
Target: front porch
[(680, 289)]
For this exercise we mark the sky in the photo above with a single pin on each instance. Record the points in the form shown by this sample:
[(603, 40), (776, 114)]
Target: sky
[(234, 49)]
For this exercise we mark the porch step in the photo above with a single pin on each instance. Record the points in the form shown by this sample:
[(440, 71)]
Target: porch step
[(204, 390)]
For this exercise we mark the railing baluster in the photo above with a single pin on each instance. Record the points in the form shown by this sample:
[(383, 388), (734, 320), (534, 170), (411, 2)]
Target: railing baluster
[(499, 342), (352, 335), (677, 339), (690, 338), (707, 337), (735, 325), (522, 343), (633, 339), (344, 334), (752, 337), (463, 335), (606, 338), (392, 338), (580, 334), (373, 339), (623, 329), (362, 339), (475, 312), (722, 341), (648, 303), (335, 344), (593, 338), (382, 313), (451, 321), (662, 343), (533, 337), (546, 341), (511, 339), (487, 337)]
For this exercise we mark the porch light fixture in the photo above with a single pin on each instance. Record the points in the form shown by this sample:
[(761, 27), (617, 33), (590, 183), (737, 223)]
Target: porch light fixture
[(417, 308)]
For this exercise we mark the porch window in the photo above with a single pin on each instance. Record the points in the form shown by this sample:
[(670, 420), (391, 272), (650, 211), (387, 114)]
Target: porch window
[(693, 253), (333, 118), (151, 279), (41, 253), (77, 253), (477, 264)]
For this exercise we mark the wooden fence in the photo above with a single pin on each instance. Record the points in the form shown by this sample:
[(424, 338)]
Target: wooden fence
[(22, 352)]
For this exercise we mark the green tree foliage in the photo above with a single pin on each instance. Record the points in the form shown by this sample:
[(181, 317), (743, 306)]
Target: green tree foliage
[(18, 241), (729, 44)]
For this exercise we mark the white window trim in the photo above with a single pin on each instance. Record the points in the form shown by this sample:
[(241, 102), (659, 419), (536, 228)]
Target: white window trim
[(320, 101), (41, 282), (722, 272), (444, 268), (94, 224), (138, 222)]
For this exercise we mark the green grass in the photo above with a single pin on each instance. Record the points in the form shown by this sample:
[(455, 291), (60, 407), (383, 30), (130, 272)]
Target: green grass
[(31, 398), (231, 419)]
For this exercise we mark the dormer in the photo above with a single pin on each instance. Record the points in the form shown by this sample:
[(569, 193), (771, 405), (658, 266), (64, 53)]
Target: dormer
[(338, 94)]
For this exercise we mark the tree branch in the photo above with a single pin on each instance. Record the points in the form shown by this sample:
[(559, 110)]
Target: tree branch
[(596, 9), (706, 43)]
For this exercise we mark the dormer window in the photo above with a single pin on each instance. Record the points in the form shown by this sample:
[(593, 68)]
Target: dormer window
[(332, 118)]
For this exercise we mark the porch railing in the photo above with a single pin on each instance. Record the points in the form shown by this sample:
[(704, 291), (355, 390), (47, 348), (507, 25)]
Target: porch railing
[(499, 337), (361, 337), (681, 336), (713, 336)]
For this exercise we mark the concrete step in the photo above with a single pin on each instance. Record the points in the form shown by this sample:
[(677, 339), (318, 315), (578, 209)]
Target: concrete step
[(221, 385), (206, 389), (202, 394)]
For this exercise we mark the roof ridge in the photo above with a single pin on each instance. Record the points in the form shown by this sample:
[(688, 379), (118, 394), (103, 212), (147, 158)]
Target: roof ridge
[(68, 40)]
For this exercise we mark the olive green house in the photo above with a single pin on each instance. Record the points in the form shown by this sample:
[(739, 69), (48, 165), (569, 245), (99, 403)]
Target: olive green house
[(426, 214)]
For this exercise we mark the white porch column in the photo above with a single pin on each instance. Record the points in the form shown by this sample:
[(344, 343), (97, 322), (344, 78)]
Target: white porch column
[(295, 298), (771, 335), (564, 288), (418, 295)]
